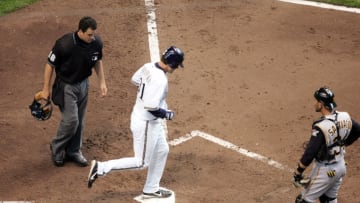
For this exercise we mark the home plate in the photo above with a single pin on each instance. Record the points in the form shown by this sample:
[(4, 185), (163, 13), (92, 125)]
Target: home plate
[(170, 199)]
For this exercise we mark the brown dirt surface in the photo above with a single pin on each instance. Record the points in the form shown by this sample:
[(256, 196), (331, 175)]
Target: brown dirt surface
[(250, 71)]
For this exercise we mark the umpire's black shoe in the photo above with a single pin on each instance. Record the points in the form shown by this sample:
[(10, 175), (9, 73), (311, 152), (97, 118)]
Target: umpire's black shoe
[(58, 159), (79, 159)]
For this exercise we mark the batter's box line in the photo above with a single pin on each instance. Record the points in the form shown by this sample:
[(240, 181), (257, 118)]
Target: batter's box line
[(229, 145)]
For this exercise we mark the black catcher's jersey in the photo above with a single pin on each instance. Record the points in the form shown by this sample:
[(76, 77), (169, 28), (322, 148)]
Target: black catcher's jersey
[(73, 58)]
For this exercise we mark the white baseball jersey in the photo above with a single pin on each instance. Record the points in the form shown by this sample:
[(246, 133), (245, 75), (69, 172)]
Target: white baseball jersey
[(152, 85), (149, 137)]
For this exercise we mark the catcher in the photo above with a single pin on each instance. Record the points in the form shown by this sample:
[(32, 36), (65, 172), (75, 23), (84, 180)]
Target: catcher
[(330, 134)]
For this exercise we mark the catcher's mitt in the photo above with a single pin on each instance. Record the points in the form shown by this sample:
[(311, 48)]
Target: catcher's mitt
[(41, 108)]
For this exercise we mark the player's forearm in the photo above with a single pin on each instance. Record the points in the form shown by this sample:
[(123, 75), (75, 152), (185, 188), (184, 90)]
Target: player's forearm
[(301, 168), (100, 72), (162, 113), (48, 72), (159, 113)]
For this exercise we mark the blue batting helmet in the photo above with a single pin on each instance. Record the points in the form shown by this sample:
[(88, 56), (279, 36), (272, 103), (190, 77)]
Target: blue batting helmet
[(173, 57)]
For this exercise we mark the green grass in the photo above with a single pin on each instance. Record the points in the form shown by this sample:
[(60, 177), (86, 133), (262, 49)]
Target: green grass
[(348, 3), (7, 6)]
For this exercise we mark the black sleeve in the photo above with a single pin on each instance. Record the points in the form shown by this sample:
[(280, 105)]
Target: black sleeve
[(55, 55), (99, 46), (160, 113), (61, 50), (316, 141), (354, 134)]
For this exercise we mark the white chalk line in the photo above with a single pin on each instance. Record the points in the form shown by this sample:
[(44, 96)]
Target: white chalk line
[(323, 5), (228, 145), (152, 31)]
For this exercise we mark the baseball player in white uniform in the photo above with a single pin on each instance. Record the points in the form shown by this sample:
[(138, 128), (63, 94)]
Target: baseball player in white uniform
[(330, 134), (149, 138)]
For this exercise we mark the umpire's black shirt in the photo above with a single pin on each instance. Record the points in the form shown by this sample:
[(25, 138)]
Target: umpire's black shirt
[(73, 58)]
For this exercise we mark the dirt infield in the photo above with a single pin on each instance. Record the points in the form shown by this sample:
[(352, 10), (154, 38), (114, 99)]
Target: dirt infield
[(250, 71)]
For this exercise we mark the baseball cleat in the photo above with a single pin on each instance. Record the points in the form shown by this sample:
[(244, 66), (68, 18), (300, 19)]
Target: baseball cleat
[(159, 194), (93, 173)]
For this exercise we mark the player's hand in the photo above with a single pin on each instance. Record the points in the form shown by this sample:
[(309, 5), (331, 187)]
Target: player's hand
[(299, 180), (45, 94), (103, 90), (169, 115), (296, 179)]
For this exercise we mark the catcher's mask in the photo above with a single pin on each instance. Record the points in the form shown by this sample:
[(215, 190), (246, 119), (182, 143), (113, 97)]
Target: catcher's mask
[(326, 96), (41, 108), (173, 57)]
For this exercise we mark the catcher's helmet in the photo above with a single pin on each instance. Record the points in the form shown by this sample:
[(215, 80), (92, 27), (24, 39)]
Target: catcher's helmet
[(41, 108), (173, 57), (326, 96)]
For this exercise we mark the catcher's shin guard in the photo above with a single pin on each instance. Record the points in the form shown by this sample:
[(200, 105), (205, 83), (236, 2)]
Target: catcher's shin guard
[(326, 199), (299, 199)]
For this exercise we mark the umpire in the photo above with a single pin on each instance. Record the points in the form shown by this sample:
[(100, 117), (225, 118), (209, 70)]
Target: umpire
[(73, 57)]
